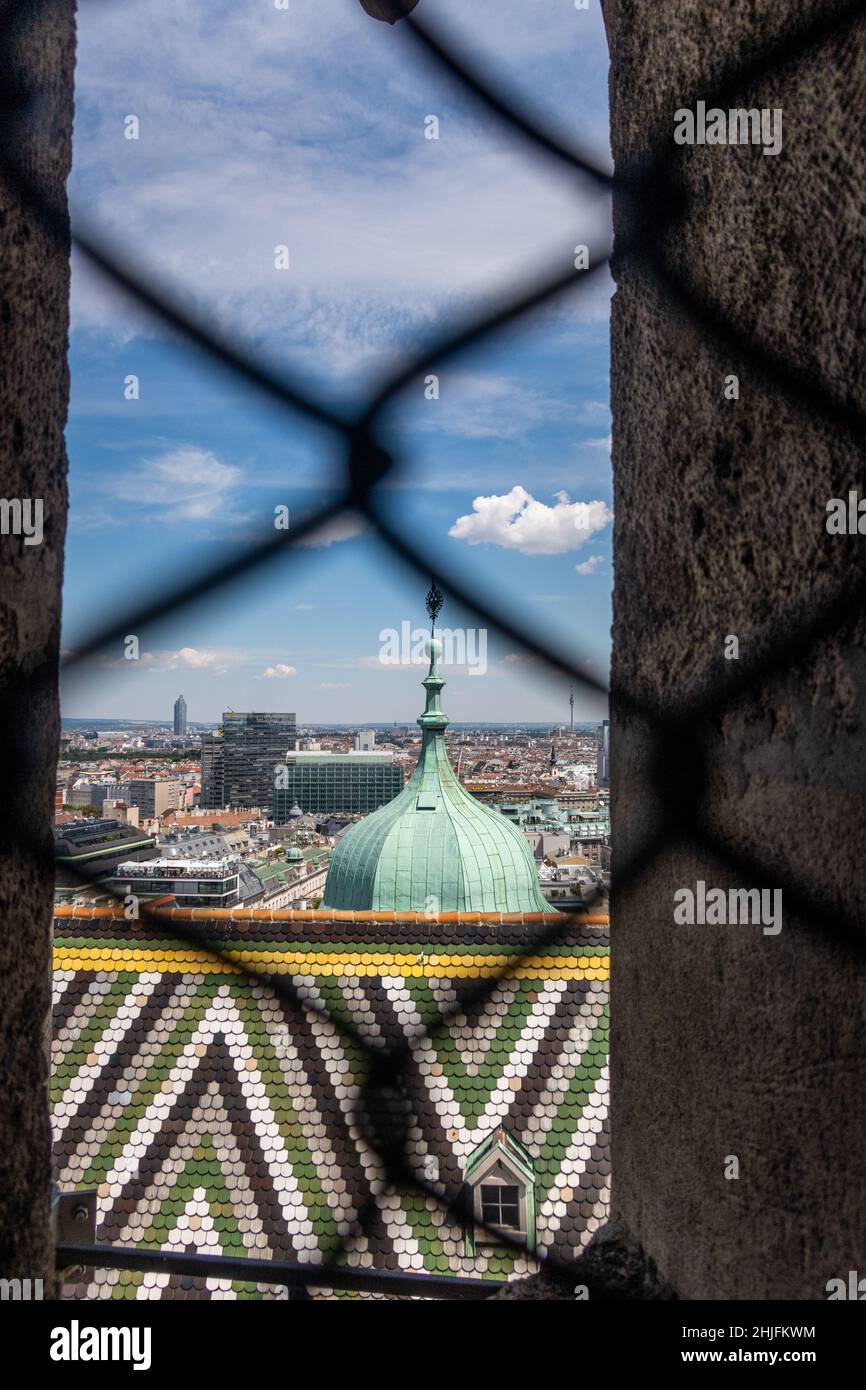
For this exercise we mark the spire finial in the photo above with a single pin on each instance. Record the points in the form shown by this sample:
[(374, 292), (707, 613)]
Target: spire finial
[(433, 720), (435, 600)]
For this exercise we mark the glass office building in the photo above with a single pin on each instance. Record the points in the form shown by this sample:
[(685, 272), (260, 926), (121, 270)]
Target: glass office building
[(179, 716), (238, 764), (325, 783)]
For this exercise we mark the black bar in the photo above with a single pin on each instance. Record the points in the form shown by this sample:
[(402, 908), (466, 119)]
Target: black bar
[(275, 1272)]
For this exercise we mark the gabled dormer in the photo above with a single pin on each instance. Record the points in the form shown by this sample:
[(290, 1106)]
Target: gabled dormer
[(500, 1183)]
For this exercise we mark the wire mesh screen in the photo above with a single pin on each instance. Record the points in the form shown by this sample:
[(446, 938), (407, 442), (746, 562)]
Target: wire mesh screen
[(383, 1112)]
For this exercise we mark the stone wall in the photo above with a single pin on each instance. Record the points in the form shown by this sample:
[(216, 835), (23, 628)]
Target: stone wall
[(37, 51), (728, 1042)]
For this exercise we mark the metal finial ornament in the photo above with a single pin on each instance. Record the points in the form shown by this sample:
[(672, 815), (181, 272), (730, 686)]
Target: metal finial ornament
[(435, 600)]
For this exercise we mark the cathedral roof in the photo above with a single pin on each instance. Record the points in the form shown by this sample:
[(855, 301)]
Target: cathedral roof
[(214, 1116), (434, 847)]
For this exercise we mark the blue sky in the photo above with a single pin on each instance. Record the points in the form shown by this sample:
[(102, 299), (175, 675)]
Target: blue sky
[(304, 127)]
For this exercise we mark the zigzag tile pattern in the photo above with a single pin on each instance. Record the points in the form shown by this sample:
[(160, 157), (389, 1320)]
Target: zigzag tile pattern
[(214, 1115)]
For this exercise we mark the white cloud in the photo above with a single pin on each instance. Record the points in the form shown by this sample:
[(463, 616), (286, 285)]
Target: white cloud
[(278, 673), (189, 656), (589, 565), (304, 607), (515, 520), (342, 528), (192, 658), (605, 442), (183, 484), (481, 405), (335, 685)]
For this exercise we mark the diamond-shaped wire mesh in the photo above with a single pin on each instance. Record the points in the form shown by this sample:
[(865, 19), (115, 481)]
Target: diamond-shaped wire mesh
[(652, 195)]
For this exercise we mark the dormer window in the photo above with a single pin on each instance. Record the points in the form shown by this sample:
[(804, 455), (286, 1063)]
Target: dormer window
[(500, 1182), (499, 1203)]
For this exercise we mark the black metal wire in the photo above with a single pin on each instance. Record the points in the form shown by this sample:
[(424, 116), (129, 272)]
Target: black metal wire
[(279, 1273), (654, 206)]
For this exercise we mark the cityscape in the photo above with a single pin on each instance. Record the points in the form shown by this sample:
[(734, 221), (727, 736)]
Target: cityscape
[(250, 812)]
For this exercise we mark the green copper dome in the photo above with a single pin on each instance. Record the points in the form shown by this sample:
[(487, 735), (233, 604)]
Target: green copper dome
[(434, 846)]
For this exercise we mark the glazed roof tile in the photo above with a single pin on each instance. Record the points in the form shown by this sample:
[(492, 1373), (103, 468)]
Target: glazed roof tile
[(214, 1114)]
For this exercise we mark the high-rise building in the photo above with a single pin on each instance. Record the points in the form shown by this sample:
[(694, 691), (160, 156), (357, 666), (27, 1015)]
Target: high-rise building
[(238, 766), (365, 741), (602, 777), (333, 782), (212, 782), (180, 716)]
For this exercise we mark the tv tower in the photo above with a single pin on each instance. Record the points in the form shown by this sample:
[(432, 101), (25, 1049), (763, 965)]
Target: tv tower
[(571, 703)]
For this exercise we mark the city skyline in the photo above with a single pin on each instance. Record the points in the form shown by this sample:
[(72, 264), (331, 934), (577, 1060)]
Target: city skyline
[(120, 723)]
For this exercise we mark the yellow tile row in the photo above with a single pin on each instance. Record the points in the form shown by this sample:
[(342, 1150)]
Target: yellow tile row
[(374, 964)]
